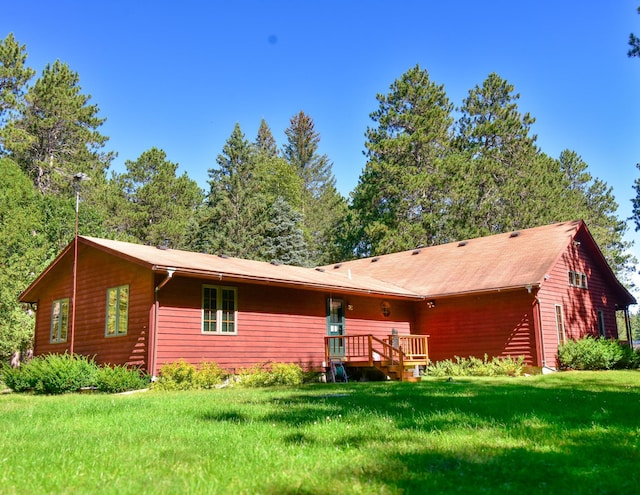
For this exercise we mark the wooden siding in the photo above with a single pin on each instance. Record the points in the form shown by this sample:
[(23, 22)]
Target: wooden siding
[(274, 324), (580, 306), (496, 324), (98, 271)]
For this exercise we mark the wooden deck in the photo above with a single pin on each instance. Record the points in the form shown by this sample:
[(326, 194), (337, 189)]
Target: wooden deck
[(396, 356)]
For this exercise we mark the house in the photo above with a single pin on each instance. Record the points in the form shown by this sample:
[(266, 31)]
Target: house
[(518, 293)]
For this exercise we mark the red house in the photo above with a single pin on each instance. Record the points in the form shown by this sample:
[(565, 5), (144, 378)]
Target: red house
[(518, 293)]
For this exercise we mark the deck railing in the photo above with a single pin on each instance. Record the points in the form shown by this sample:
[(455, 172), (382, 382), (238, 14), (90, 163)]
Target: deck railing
[(365, 349)]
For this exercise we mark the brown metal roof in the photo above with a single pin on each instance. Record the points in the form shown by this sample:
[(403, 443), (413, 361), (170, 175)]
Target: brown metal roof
[(497, 262), (229, 268)]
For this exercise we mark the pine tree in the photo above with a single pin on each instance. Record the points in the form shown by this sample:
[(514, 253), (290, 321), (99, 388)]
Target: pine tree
[(14, 75), (265, 143), (401, 195), (322, 205), (156, 205), (57, 134), (233, 218)]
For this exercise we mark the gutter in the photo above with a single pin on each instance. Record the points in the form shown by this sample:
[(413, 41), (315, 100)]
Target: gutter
[(154, 333)]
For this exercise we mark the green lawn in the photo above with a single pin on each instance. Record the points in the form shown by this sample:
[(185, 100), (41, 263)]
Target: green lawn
[(567, 433)]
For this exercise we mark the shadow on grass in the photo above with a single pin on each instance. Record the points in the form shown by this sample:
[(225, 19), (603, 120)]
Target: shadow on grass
[(554, 437)]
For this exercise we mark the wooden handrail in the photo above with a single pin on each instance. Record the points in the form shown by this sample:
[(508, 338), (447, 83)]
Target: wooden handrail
[(365, 348)]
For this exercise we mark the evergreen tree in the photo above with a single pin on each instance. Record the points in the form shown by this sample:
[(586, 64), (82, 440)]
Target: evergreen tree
[(232, 221), (14, 75), (56, 136), (265, 143), (23, 254), (156, 205), (322, 204), (284, 238), (402, 193), (495, 139)]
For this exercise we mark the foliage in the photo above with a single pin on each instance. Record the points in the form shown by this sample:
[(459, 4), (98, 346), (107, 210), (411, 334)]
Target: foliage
[(234, 214), (322, 205), (284, 239), (56, 136), (181, 375), (117, 379), (401, 193), (52, 374), (472, 366), (14, 75), (271, 374), (150, 203), (22, 254), (591, 353)]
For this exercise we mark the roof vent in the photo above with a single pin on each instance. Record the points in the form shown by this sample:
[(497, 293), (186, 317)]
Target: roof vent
[(462, 243), (337, 266), (318, 269), (223, 256), (514, 234), (275, 263), (164, 246), (373, 260), (415, 251)]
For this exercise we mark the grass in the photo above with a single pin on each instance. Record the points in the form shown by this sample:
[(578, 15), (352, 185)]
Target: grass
[(572, 433)]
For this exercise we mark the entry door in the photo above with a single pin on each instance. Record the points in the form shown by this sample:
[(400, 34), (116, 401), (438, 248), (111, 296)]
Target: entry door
[(335, 326)]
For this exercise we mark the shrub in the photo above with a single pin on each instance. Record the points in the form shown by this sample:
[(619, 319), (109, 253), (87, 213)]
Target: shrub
[(181, 375), (473, 366), (209, 375), (118, 379), (271, 374), (53, 374), (591, 353)]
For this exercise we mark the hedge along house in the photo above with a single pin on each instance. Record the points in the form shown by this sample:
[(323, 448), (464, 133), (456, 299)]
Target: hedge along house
[(519, 293)]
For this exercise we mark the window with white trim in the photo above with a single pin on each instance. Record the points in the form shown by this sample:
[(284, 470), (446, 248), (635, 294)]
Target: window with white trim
[(59, 320), (219, 310), (577, 279), (562, 339), (117, 311)]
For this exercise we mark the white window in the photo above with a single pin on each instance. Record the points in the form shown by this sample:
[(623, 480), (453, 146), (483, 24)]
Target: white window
[(560, 324), (578, 279), (59, 320), (219, 310)]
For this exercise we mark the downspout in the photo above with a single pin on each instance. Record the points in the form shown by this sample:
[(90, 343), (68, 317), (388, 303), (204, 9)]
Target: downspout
[(156, 304), (538, 317)]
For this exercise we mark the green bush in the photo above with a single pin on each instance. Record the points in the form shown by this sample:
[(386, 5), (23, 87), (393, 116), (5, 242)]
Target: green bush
[(209, 374), (181, 375), (473, 366), (178, 375), (591, 353), (53, 374), (118, 379), (271, 374)]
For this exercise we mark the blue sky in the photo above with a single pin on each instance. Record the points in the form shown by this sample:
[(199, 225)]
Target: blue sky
[(179, 75)]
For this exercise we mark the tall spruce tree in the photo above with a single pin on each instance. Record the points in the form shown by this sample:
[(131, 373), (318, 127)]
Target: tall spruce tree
[(322, 205), (233, 218), (401, 195)]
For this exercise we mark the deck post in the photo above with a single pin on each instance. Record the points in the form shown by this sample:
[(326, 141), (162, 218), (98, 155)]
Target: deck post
[(370, 338)]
